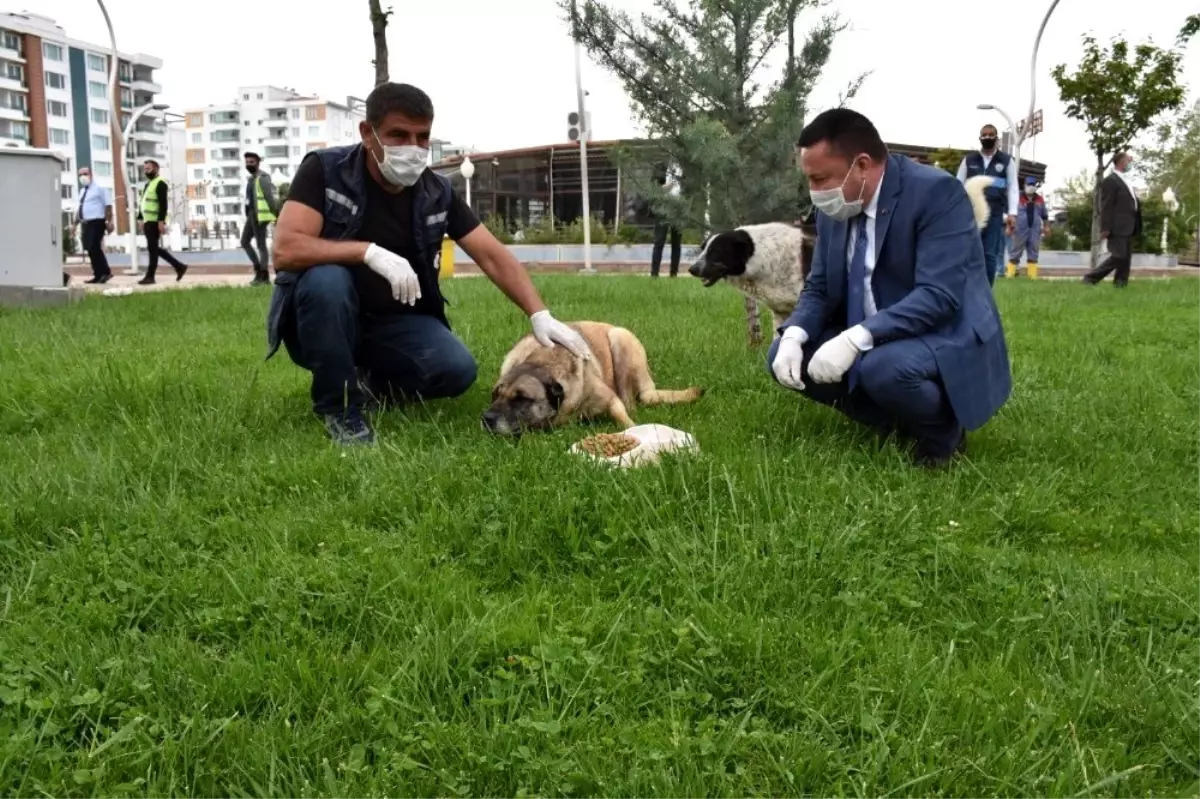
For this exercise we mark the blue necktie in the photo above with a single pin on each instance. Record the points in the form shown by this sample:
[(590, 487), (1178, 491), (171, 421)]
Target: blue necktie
[(856, 284)]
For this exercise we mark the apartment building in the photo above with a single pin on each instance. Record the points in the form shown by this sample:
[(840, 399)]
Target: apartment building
[(54, 94), (279, 124)]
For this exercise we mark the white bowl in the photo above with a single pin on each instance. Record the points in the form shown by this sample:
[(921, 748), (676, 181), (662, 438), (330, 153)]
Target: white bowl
[(655, 439)]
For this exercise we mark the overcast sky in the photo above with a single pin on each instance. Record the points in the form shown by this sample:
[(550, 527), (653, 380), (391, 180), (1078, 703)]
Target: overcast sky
[(501, 74)]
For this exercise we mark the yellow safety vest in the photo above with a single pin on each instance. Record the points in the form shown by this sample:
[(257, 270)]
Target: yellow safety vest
[(264, 209), (150, 209)]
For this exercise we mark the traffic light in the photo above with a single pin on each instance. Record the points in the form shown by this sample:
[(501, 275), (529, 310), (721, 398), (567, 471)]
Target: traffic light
[(574, 130)]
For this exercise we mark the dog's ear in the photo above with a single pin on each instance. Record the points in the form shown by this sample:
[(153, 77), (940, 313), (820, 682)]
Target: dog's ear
[(743, 245), (554, 393)]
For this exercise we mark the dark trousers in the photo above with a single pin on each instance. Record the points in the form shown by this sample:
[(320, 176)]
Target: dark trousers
[(92, 233), (661, 229), (155, 249), (407, 356), (899, 390), (256, 233), (994, 246), (1119, 262)]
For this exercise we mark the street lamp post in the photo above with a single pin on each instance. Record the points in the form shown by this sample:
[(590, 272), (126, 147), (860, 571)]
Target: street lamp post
[(1172, 204), (468, 171), (1037, 44), (584, 133), (130, 188)]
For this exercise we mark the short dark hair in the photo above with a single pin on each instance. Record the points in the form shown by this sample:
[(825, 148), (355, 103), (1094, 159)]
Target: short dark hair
[(848, 133), (398, 98), (251, 155), (152, 161), (989, 125)]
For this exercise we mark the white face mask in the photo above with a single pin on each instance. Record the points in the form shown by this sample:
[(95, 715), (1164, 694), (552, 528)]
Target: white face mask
[(84, 180), (834, 204), (402, 164), (1031, 190)]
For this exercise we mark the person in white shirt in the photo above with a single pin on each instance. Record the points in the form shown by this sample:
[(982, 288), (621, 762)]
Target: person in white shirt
[(1002, 195), (94, 215), (1120, 223)]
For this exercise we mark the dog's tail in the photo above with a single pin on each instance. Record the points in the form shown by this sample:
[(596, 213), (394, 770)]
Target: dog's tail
[(975, 187), (632, 374)]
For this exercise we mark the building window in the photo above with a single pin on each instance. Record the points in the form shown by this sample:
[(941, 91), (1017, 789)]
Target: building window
[(100, 143), (97, 63), (66, 191), (13, 41), (295, 131), (126, 98), (314, 112), (260, 95), (56, 80), (13, 71), (56, 108), (198, 174), (197, 138), (295, 113), (52, 51), (295, 151), (196, 156), (247, 97), (60, 136), (97, 89), (314, 130), (103, 169), (195, 120), (201, 210), (99, 116)]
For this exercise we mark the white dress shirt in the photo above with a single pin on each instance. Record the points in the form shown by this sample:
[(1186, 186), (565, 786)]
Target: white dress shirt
[(1012, 189)]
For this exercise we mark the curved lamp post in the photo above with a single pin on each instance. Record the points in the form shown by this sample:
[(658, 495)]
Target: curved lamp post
[(1172, 204), (130, 188), (467, 169)]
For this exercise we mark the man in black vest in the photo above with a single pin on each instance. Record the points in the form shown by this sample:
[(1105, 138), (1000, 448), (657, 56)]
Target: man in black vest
[(1120, 223), (356, 298)]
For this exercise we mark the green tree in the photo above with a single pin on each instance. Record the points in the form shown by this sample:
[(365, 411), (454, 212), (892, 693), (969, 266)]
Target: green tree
[(699, 80), (281, 192), (379, 22), (1173, 161), (947, 159), (1117, 93)]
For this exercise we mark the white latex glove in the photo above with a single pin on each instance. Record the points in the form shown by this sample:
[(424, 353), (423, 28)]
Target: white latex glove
[(835, 357), (396, 271), (789, 358), (549, 331)]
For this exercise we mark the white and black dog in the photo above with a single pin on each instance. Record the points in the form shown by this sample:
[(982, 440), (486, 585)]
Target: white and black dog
[(770, 262)]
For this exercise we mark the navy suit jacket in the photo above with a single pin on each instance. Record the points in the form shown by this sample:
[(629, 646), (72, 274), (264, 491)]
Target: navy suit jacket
[(929, 283)]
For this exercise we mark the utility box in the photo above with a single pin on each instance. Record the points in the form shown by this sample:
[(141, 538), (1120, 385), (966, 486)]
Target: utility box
[(31, 218)]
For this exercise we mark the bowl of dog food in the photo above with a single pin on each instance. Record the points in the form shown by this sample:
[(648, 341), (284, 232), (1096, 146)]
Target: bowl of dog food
[(637, 446)]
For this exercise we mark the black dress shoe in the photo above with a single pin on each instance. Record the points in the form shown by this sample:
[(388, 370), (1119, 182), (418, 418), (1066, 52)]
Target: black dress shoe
[(180, 271), (926, 459), (104, 278)]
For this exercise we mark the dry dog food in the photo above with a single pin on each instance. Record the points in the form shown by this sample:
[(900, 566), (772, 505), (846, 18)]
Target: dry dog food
[(608, 445)]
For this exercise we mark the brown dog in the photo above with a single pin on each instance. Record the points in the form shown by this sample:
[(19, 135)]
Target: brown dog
[(544, 387)]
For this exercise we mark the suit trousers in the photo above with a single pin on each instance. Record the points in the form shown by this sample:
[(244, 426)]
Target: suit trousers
[(92, 231), (1119, 262), (899, 390)]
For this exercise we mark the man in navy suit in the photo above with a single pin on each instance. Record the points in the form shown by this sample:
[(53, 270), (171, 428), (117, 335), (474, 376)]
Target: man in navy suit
[(896, 326)]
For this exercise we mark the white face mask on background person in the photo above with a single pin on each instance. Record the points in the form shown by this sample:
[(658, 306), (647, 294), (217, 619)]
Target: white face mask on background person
[(1031, 190), (402, 164), (84, 180), (833, 203)]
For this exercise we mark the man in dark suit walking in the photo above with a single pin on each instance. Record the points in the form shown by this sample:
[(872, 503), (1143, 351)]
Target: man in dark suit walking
[(1120, 223)]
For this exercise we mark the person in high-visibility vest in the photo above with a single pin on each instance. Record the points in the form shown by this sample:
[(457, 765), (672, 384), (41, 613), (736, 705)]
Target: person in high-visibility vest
[(152, 213), (261, 210)]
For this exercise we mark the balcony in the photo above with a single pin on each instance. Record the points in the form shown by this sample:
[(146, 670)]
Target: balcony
[(275, 152), (277, 115), (224, 118), (277, 132), (143, 81), (226, 154)]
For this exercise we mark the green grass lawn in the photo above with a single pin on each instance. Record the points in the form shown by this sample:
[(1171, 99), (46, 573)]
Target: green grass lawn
[(200, 596)]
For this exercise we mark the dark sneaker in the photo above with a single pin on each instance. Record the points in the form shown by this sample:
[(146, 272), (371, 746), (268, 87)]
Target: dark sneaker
[(349, 428), (261, 279), (928, 459), (146, 281), (180, 271)]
